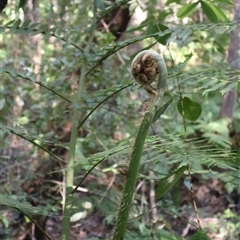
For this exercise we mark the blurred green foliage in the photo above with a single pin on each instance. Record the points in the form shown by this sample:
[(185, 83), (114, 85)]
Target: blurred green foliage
[(38, 105)]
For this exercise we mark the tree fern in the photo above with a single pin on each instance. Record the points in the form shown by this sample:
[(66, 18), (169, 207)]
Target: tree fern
[(161, 152)]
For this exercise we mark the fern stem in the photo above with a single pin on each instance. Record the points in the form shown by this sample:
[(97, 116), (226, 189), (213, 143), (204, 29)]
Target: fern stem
[(187, 150), (138, 66), (73, 141), (70, 165)]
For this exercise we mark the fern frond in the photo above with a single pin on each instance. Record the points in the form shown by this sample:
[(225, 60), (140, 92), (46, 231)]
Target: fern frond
[(207, 80), (31, 77), (172, 149), (107, 51)]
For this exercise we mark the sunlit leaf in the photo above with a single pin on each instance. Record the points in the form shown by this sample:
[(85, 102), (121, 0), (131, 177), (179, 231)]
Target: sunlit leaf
[(219, 13), (208, 10), (23, 120), (166, 183), (9, 23), (187, 10)]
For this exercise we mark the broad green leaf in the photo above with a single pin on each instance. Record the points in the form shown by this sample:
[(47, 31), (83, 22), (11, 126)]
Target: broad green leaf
[(199, 235), (219, 13), (208, 10), (166, 183), (238, 86), (189, 109), (159, 28), (161, 110), (187, 10)]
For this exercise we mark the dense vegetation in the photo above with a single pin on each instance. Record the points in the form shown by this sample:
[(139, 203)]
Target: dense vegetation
[(71, 114)]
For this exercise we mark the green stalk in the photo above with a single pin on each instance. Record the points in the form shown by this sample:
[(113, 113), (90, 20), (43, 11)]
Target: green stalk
[(73, 141), (70, 165), (144, 75)]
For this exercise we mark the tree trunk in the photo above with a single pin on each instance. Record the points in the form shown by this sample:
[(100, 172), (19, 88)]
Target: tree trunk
[(228, 100), (32, 13)]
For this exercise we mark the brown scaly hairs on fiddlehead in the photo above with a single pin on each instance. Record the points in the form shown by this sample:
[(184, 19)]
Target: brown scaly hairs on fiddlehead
[(145, 70)]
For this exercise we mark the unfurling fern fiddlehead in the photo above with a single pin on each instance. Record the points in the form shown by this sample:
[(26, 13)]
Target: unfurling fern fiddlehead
[(149, 69)]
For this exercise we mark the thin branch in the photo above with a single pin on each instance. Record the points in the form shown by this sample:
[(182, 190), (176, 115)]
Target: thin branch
[(36, 224), (36, 144), (187, 148), (100, 103)]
